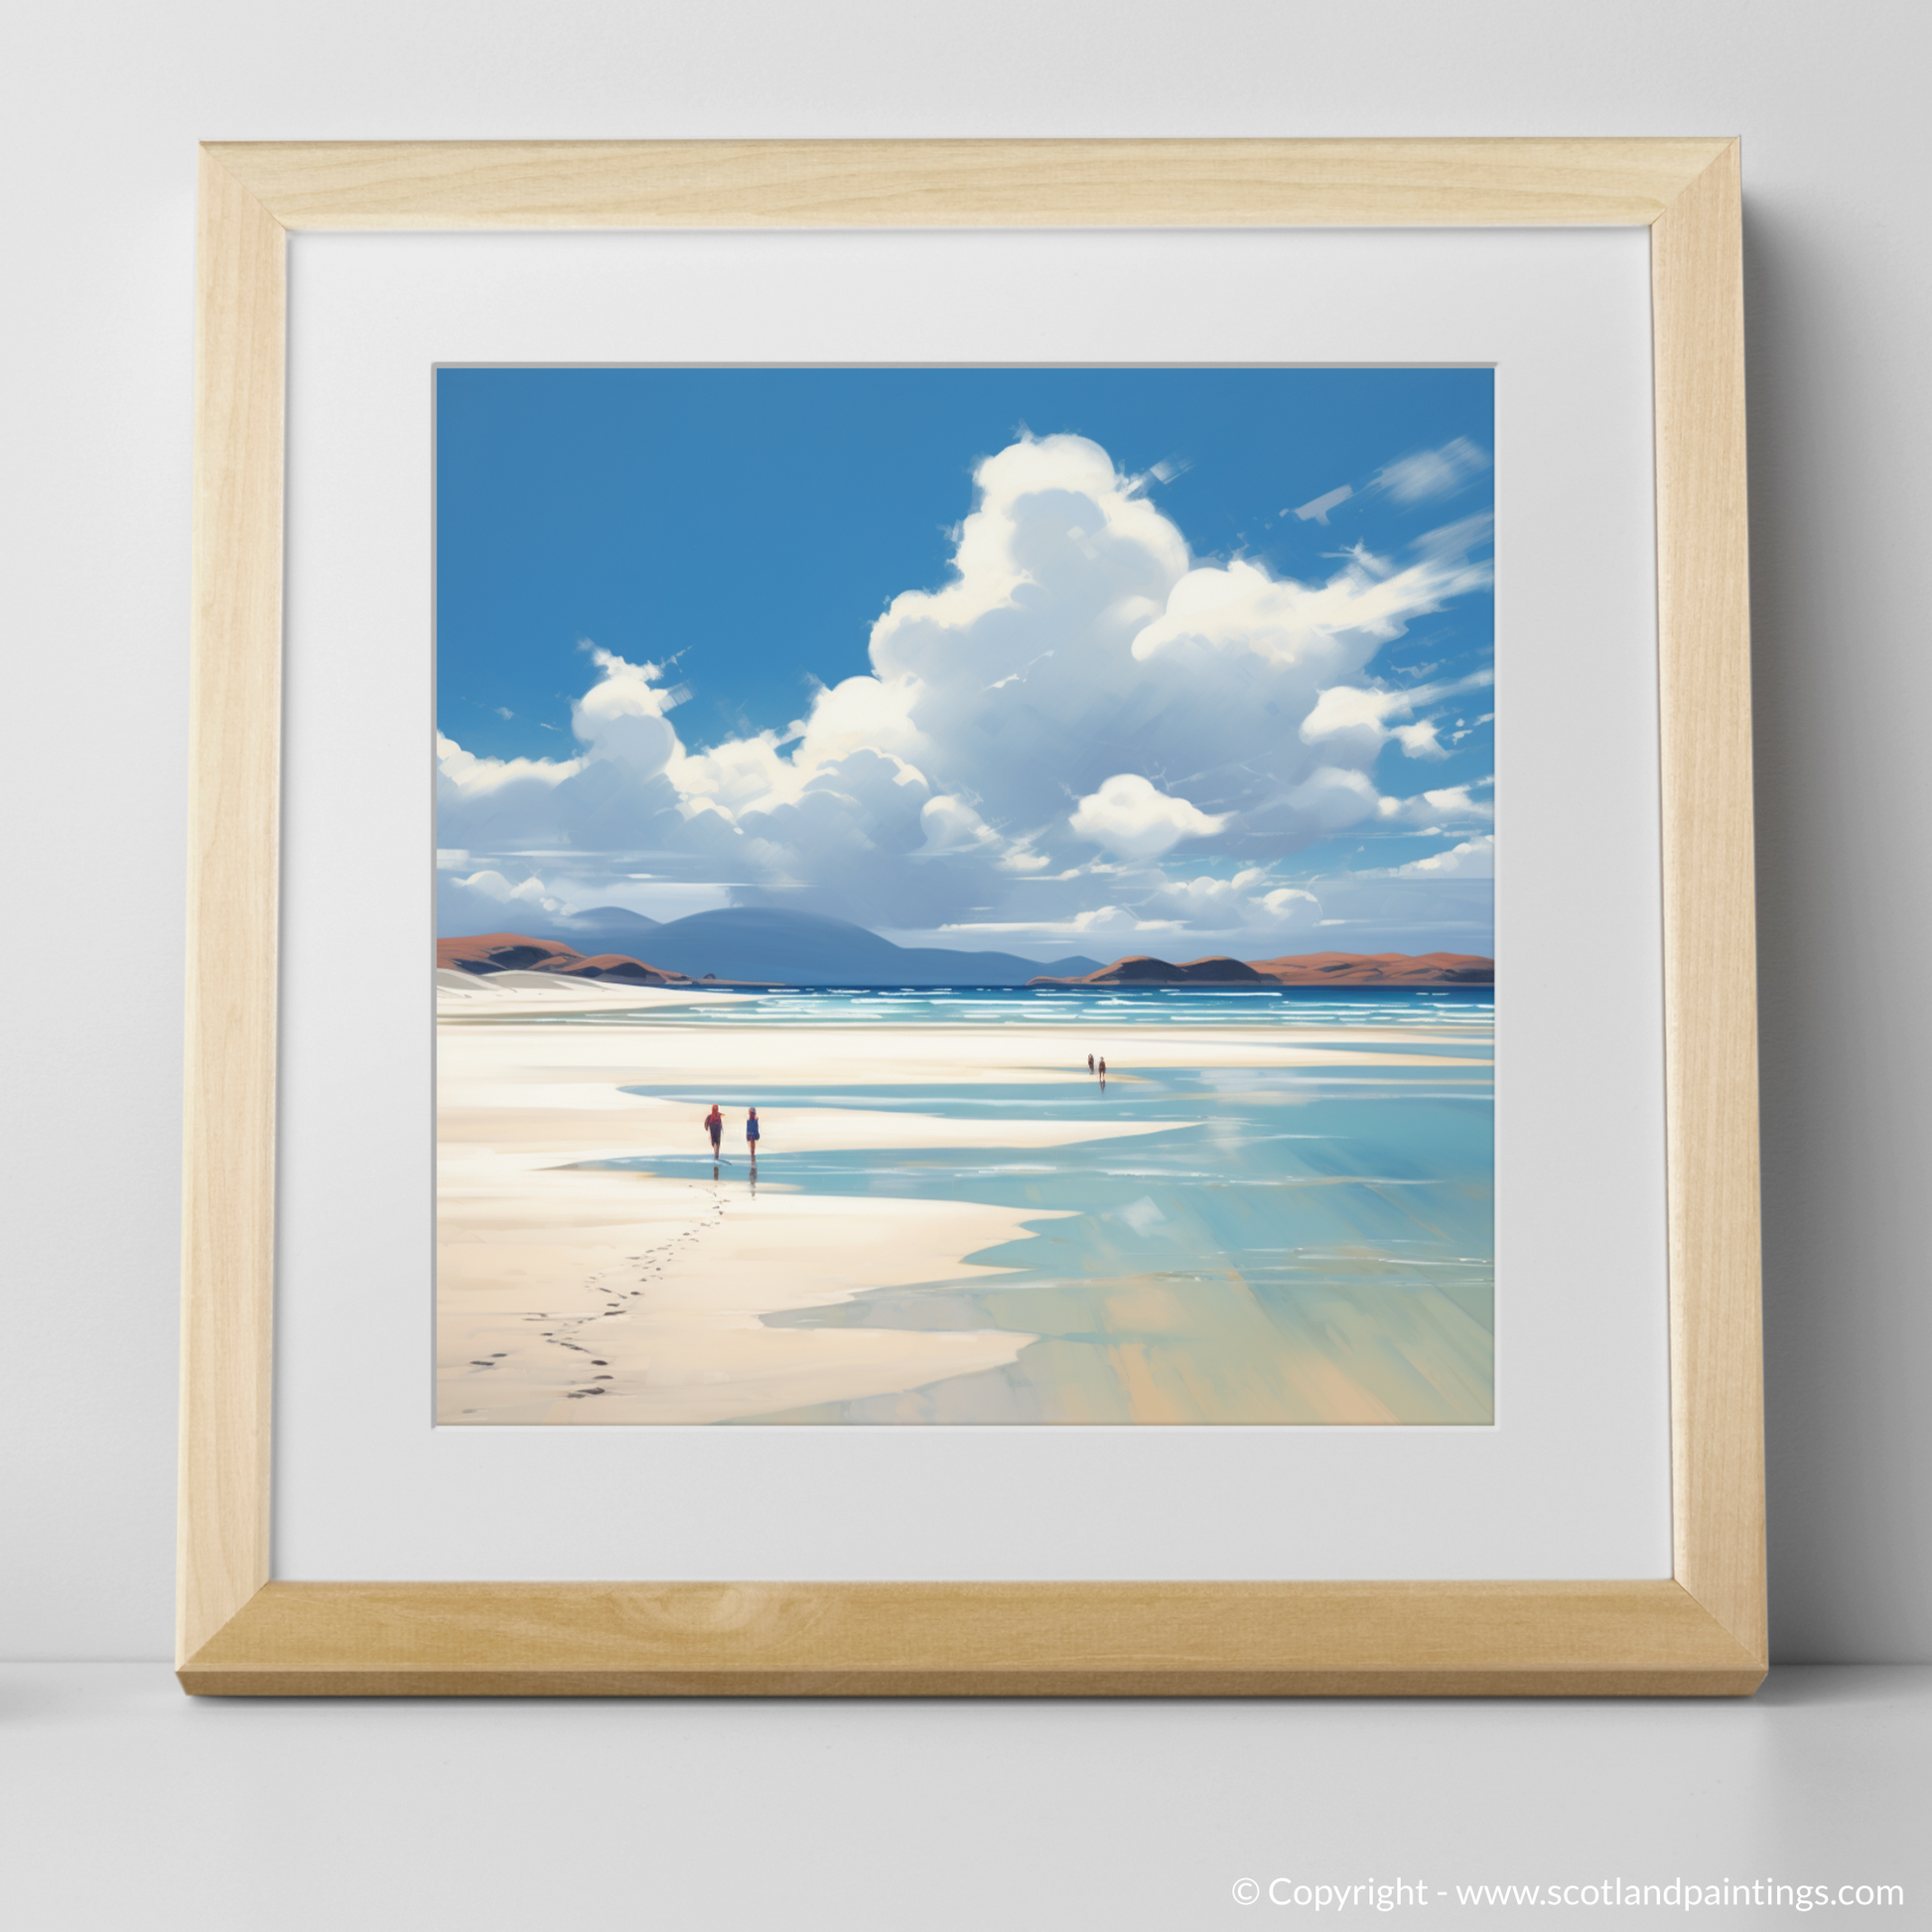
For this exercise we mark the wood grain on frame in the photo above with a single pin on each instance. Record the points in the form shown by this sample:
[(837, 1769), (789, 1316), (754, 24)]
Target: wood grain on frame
[(1710, 943), (1196, 1639), (235, 760), (964, 184), (1700, 1634)]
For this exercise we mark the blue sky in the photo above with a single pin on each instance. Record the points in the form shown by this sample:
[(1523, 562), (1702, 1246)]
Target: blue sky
[(728, 539)]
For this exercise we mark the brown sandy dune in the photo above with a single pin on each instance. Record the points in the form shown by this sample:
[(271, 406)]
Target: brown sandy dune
[(619, 966), (518, 952), (1380, 969), (1299, 969), (1219, 970), (503, 952)]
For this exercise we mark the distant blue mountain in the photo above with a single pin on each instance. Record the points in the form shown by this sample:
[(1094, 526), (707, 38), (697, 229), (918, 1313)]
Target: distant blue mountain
[(599, 922), (755, 942)]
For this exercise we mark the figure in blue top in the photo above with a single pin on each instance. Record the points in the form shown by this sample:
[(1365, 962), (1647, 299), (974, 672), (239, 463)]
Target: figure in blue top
[(751, 1135)]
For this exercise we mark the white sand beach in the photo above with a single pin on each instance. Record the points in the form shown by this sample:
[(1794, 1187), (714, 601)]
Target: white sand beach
[(573, 1294)]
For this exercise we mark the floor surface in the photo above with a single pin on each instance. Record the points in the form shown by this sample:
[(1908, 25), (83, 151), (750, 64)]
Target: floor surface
[(124, 1804)]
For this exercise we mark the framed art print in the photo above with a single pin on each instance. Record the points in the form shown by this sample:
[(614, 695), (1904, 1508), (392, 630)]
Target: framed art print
[(879, 1166), (992, 1119)]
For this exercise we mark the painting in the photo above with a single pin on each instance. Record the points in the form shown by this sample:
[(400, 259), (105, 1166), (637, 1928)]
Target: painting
[(964, 896)]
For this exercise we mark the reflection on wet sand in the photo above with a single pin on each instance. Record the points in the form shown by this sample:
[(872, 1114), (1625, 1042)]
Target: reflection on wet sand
[(1270, 1218)]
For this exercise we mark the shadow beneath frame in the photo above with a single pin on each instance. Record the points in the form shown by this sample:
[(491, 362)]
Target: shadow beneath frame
[(1843, 1070), (1842, 1686)]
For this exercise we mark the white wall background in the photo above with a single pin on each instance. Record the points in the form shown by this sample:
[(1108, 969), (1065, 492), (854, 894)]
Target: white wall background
[(100, 106)]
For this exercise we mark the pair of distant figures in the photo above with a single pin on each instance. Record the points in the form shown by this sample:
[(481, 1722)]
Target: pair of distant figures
[(1099, 1068), (714, 1127)]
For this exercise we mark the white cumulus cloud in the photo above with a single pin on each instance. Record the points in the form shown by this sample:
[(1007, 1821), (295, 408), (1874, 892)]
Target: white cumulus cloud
[(1452, 805), (1078, 653), (1129, 816)]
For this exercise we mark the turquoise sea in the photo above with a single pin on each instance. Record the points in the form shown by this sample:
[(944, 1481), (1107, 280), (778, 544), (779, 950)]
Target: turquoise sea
[(1299, 1244)]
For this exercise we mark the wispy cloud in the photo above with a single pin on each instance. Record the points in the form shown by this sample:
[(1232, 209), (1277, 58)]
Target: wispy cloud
[(1318, 510), (1431, 472), (1472, 858)]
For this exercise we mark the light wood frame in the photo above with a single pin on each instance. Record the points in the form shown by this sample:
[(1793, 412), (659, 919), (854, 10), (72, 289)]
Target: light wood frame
[(1703, 1631)]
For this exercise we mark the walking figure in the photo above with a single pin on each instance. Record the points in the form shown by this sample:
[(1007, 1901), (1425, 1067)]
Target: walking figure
[(752, 1132), (714, 1125), (1103, 1076), (1089, 1063)]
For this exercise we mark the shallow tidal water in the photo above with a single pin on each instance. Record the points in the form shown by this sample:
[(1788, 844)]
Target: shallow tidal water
[(1290, 1245)]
